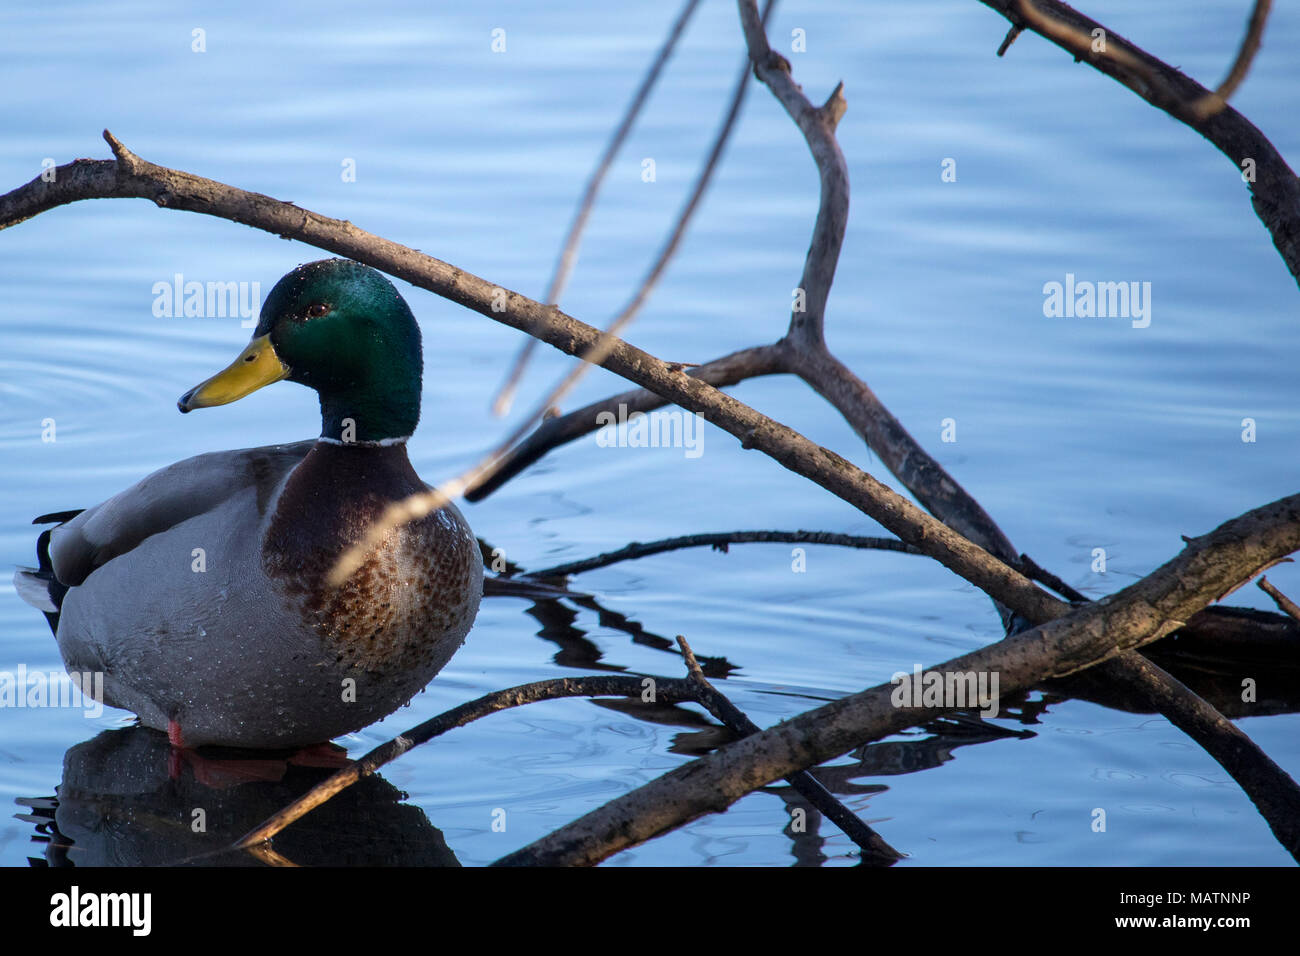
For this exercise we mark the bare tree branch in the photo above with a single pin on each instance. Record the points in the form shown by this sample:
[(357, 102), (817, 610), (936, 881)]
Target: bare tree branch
[(1208, 567), (1268, 786), (666, 691), (1280, 599), (804, 351), (818, 127), (1040, 574), (131, 176), (651, 279), (573, 238), (562, 429), (1274, 188), (720, 541), (421, 504), (875, 851), (1207, 106), (1010, 38)]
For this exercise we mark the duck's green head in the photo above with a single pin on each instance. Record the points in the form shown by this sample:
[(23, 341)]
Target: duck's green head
[(341, 328)]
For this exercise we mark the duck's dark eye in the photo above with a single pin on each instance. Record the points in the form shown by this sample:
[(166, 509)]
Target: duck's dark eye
[(317, 309)]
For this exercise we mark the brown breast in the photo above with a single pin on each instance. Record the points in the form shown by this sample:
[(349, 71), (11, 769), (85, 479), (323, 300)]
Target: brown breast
[(411, 590)]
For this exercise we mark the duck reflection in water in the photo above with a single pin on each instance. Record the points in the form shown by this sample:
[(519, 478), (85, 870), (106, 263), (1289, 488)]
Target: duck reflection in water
[(129, 799)]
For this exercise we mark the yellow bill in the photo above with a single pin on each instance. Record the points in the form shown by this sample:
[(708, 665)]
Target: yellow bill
[(256, 366)]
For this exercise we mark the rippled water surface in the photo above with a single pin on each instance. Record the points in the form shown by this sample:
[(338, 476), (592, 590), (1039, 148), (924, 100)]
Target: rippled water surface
[(1075, 434)]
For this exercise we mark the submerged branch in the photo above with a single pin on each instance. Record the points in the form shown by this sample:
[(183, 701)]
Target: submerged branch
[(1147, 610), (965, 539), (1268, 786), (875, 851), (803, 351), (719, 541), (666, 691)]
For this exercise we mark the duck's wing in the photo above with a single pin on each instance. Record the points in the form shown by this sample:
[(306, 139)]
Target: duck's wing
[(165, 499)]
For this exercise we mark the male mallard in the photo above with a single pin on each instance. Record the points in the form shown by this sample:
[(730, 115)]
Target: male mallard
[(199, 593)]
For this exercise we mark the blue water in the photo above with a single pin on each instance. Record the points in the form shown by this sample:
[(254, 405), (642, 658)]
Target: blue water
[(1073, 433)]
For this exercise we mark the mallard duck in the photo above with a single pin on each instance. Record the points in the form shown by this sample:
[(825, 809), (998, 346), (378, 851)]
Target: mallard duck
[(200, 594)]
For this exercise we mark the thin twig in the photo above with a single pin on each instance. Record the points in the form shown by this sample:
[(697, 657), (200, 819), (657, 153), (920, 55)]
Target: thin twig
[(175, 189), (852, 396), (651, 279), (875, 851), (1037, 572), (270, 856), (1274, 187), (421, 504), (131, 176), (817, 124), (1275, 195), (1212, 103), (1139, 614), (720, 541), (562, 429), (1010, 38), (665, 690), (1283, 602), (573, 238)]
